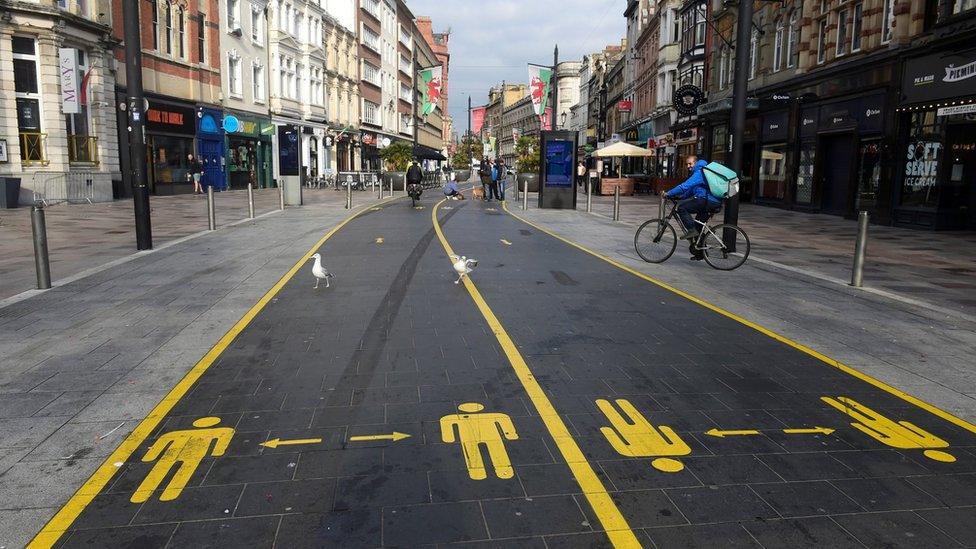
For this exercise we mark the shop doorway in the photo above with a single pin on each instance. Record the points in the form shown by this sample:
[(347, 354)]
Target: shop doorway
[(212, 156), (959, 186), (836, 155)]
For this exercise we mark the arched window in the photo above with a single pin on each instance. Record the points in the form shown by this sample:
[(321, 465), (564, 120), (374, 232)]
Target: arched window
[(181, 21), (168, 18), (155, 26), (778, 46), (753, 54), (793, 40)]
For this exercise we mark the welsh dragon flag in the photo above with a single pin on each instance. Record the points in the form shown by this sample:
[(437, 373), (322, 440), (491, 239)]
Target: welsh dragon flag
[(431, 88), (539, 80)]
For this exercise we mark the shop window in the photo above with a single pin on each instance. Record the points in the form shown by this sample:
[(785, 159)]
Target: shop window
[(32, 138), (804, 172), (869, 175), (720, 143), (924, 153), (82, 146), (169, 159), (772, 172)]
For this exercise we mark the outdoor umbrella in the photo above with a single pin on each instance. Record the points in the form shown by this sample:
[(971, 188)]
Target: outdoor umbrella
[(622, 149)]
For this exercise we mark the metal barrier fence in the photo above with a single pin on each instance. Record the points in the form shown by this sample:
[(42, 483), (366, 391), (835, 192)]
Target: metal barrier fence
[(71, 187)]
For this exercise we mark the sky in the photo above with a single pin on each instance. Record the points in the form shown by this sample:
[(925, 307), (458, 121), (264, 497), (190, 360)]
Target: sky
[(493, 40)]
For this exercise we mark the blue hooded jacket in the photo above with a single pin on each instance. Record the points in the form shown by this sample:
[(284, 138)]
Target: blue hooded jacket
[(695, 186)]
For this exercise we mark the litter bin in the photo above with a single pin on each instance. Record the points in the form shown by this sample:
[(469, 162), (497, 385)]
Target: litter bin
[(9, 192)]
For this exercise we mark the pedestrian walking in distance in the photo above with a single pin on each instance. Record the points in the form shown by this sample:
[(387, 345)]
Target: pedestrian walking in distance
[(484, 170), (195, 173), (580, 173)]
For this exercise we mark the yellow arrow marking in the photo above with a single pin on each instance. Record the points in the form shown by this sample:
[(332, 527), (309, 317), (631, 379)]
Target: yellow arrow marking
[(395, 436), (812, 431), (739, 433), (276, 442), (379, 240), (505, 242)]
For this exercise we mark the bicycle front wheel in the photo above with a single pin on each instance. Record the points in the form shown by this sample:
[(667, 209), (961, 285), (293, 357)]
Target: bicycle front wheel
[(655, 241), (713, 245)]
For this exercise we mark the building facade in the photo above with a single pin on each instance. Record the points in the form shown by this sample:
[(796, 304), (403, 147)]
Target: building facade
[(58, 106), (568, 92), (342, 84), (439, 42)]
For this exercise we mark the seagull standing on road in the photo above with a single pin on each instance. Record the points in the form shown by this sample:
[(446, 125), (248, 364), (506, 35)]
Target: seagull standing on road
[(320, 272), (463, 266)]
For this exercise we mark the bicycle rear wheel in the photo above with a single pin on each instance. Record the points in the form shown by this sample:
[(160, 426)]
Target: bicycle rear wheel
[(655, 241), (717, 254)]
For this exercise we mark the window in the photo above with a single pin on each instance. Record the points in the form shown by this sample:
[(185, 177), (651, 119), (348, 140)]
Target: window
[(822, 41), (371, 74), (181, 22), (920, 187), (960, 6), (856, 27), (370, 39), (887, 21), (778, 48), (792, 44), (405, 65), (405, 93), (804, 173), (869, 175), (842, 18), (202, 39), (81, 144), (369, 112), (32, 150), (372, 7), (772, 172), (257, 79), (234, 74), (700, 22), (257, 25), (233, 15), (723, 68), (168, 18), (155, 26), (753, 54)]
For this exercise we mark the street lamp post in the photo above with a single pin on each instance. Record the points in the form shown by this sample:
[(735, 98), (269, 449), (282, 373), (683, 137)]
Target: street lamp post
[(738, 121), (555, 86), (136, 123)]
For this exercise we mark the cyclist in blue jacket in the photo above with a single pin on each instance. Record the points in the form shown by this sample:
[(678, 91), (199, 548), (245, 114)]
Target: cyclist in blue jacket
[(694, 197)]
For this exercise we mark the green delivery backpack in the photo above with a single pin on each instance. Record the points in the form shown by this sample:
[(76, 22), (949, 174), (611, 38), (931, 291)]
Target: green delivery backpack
[(722, 181)]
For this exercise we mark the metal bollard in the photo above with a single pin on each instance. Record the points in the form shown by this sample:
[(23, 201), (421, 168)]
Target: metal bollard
[(379, 190), (348, 195), (211, 211), (662, 208), (525, 194), (616, 203), (281, 196), (42, 263), (860, 247), (250, 200), (589, 194)]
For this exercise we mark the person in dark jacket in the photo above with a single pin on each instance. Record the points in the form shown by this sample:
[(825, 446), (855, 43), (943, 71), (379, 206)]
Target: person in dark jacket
[(415, 176), (484, 170), (195, 173), (498, 174), (694, 197)]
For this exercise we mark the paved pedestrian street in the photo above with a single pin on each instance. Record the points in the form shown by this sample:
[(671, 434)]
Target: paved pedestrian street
[(550, 399)]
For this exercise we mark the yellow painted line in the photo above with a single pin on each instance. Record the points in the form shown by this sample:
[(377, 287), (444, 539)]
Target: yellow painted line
[(612, 520), (62, 520), (733, 433), (276, 442), (934, 410), (812, 431), (394, 436)]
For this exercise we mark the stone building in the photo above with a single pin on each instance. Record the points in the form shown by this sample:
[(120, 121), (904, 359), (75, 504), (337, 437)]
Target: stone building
[(57, 99), (439, 43), (342, 84)]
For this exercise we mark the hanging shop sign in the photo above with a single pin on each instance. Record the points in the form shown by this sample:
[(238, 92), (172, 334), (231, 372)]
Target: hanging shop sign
[(231, 123), (68, 61), (958, 109), (939, 76), (686, 136), (625, 105), (687, 99), (632, 135), (369, 139)]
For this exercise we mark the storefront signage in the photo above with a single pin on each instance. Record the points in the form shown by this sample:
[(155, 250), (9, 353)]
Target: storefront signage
[(231, 123), (939, 76), (866, 113), (632, 135), (685, 136), (687, 99), (68, 61), (625, 105), (809, 119), (369, 139), (775, 127), (958, 109), (172, 119), (922, 166)]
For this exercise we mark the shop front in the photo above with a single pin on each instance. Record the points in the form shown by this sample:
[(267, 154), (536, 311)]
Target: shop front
[(170, 134), (210, 147), (371, 151), (249, 151), (936, 175)]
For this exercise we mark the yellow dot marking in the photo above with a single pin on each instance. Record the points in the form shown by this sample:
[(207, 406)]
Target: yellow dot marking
[(938, 455), (668, 465)]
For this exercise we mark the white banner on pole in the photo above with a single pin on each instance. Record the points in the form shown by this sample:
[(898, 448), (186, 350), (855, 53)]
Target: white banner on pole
[(68, 65)]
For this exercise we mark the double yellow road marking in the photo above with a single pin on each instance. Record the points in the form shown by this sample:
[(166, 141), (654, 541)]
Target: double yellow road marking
[(596, 494)]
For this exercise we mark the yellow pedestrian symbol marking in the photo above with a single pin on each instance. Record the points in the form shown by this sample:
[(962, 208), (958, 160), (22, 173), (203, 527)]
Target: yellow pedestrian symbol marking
[(379, 239), (276, 442), (481, 429), (505, 242), (395, 436), (731, 433), (638, 438), (902, 434), (188, 448)]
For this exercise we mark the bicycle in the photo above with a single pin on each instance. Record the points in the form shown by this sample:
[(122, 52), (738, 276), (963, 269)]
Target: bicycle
[(656, 241)]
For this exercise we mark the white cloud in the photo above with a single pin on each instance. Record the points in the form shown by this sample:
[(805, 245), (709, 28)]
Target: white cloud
[(492, 40)]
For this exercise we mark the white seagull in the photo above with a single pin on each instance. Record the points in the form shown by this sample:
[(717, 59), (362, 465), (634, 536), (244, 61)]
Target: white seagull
[(320, 272), (463, 266)]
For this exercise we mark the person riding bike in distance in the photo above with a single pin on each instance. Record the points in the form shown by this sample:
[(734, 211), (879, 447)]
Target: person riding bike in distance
[(694, 198)]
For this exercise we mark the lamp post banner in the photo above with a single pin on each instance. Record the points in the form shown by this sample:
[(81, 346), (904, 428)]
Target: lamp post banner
[(540, 79)]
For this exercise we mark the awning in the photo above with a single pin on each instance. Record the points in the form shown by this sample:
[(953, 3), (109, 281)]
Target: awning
[(428, 153), (622, 149)]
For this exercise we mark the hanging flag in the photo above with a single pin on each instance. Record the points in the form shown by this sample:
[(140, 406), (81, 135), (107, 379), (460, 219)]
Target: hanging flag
[(84, 86), (430, 86), (539, 80), (477, 119)]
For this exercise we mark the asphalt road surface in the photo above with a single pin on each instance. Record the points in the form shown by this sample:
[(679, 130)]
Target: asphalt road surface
[(550, 399)]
